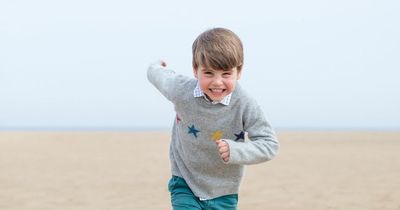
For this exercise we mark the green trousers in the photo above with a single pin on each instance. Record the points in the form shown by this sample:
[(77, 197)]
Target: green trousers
[(182, 198)]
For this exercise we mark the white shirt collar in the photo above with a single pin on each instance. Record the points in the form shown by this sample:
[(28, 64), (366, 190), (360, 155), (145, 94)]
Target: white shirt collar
[(197, 92)]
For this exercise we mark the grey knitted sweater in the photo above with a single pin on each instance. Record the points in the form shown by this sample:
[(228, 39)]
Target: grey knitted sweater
[(193, 153)]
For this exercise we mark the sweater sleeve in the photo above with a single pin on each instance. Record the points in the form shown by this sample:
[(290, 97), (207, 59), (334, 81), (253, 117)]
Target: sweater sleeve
[(164, 79), (262, 144)]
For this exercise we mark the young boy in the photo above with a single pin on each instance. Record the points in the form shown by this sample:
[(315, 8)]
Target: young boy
[(208, 149)]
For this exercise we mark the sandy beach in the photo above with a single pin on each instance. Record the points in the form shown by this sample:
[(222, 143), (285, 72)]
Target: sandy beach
[(130, 170)]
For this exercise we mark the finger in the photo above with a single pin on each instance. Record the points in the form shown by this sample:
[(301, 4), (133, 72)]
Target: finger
[(224, 155), (221, 143), (223, 149), (225, 159)]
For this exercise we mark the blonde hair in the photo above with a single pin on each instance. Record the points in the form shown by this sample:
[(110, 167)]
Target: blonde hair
[(218, 48)]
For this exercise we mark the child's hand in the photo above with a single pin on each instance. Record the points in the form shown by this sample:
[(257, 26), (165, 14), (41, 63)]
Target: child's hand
[(223, 149)]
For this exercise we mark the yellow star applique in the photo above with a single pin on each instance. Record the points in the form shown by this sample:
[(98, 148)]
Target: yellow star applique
[(217, 135)]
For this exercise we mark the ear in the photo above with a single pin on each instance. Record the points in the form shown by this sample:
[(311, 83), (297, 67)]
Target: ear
[(239, 74), (195, 73)]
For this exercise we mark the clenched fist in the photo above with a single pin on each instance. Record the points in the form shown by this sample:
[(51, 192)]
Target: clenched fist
[(223, 149)]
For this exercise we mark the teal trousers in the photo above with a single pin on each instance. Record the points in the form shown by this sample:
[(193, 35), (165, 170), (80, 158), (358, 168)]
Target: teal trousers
[(182, 198)]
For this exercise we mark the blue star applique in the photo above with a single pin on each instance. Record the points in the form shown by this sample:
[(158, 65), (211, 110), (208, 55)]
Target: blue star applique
[(239, 136), (193, 130)]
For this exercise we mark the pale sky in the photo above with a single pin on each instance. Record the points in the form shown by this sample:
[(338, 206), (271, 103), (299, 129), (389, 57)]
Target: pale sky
[(81, 65)]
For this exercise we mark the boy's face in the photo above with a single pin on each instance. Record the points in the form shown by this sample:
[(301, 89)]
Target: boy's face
[(217, 84)]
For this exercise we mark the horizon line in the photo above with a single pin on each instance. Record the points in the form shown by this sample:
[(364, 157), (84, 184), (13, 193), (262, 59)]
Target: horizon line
[(167, 129)]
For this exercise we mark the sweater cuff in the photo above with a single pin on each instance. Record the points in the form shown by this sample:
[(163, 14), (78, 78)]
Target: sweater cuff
[(234, 157), (156, 64)]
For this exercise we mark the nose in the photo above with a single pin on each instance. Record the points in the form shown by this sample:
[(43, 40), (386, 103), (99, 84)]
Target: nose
[(218, 80)]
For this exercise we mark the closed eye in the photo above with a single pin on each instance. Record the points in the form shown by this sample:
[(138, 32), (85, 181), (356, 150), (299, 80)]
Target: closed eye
[(208, 73), (227, 74)]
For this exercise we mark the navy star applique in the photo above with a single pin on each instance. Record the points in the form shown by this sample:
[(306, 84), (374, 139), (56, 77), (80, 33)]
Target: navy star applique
[(239, 136), (193, 130)]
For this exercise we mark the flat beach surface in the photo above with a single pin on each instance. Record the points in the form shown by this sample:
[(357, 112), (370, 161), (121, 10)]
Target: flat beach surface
[(130, 170)]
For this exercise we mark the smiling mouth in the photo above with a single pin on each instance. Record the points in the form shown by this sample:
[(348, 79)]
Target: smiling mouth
[(217, 90)]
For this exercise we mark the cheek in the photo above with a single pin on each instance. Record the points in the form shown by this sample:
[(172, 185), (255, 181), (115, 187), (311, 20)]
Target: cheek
[(204, 84), (230, 84)]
